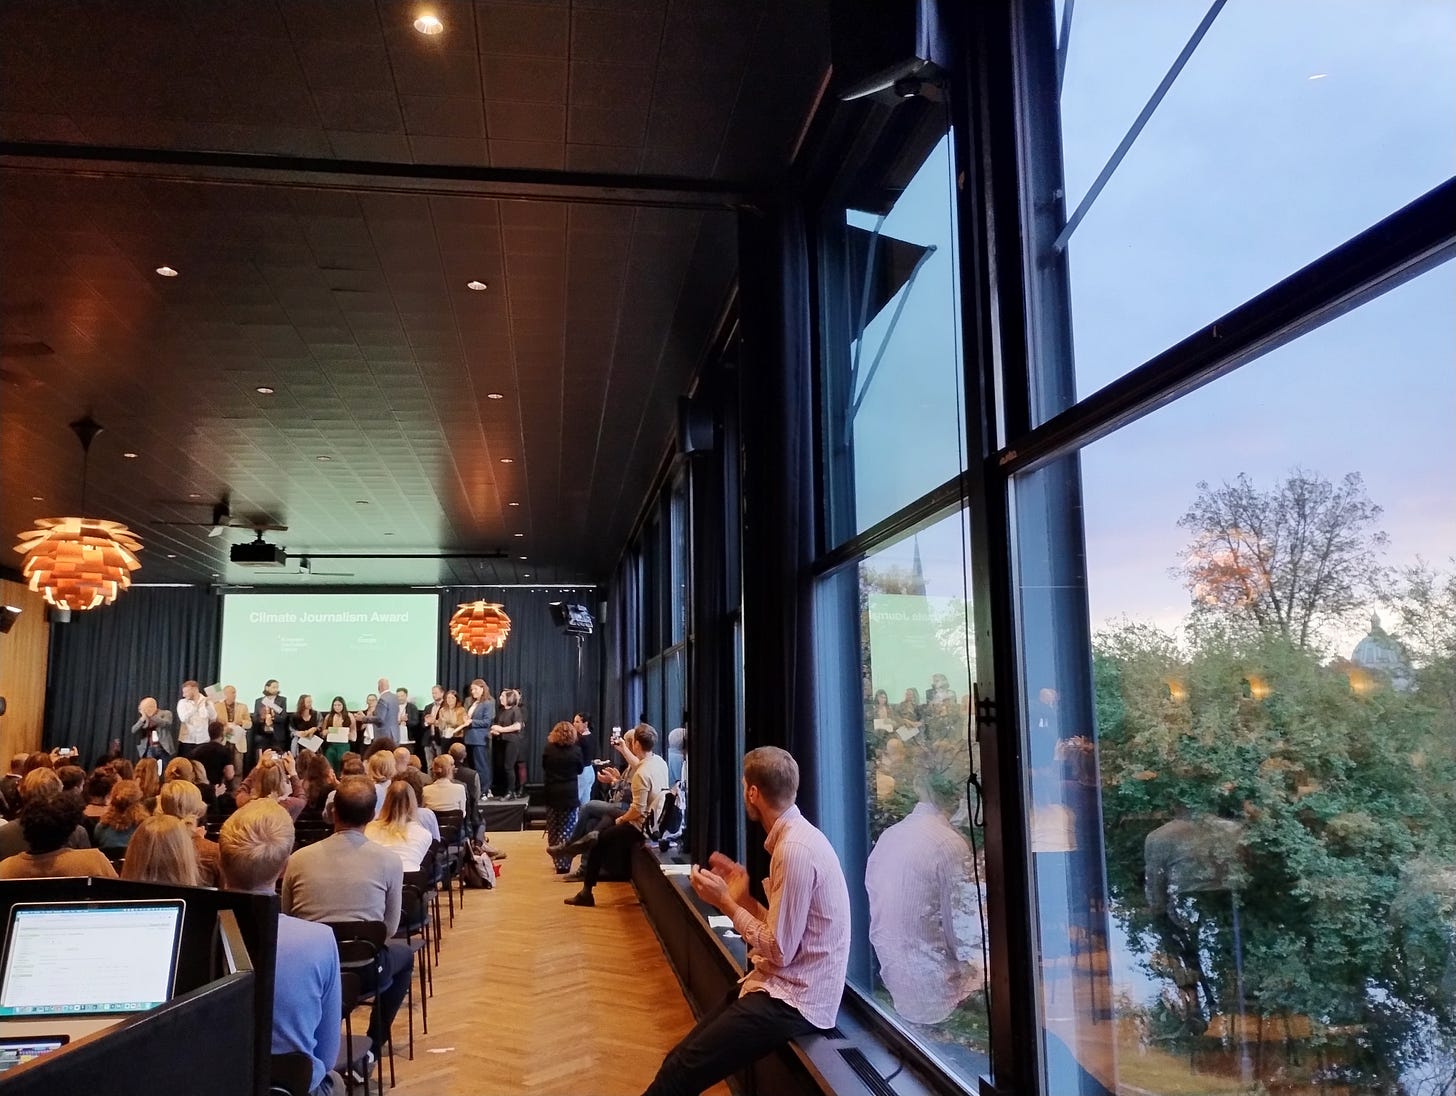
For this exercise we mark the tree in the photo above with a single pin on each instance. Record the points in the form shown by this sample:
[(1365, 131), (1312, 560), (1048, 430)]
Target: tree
[(1288, 561), (1425, 619)]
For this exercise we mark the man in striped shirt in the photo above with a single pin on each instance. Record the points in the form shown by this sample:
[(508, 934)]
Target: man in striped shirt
[(799, 945)]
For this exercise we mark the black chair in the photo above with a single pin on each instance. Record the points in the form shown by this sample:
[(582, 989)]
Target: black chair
[(414, 932), (351, 996), (290, 1074), (452, 837), (361, 950)]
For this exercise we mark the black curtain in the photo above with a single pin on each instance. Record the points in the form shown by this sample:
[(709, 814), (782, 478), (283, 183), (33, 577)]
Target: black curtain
[(777, 425), (556, 674), (105, 660)]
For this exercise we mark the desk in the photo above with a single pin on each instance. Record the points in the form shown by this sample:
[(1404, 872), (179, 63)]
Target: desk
[(501, 815)]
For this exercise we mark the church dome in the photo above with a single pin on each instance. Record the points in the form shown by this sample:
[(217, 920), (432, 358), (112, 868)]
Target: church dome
[(1380, 652)]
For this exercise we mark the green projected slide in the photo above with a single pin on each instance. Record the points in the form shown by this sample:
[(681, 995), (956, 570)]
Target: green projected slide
[(911, 637), (329, 645)]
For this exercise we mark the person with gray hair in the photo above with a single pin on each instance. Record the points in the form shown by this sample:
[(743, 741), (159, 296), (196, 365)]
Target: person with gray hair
[(253, 848)]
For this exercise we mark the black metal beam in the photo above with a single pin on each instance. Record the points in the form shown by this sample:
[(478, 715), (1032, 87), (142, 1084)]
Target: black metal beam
[(251, 169), (1404, 245)]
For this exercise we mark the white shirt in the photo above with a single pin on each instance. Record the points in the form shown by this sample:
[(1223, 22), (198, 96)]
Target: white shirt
[(194, 716), (649, 788), (445, 795), (923, 920), (411, 848)]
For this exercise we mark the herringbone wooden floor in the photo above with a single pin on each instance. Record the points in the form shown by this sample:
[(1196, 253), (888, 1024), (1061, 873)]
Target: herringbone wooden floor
[(532, 996)]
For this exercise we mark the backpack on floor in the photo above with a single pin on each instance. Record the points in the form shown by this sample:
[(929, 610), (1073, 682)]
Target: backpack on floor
[(477, 871)]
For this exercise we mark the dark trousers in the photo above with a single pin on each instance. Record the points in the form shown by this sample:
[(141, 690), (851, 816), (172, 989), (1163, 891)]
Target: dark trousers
[(612, 852), (480, 761), (739, 1031), (399, 964), (507, 751), (594, 815)]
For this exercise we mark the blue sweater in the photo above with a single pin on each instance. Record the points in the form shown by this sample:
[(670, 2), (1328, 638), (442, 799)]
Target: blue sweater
[(306, 1003)]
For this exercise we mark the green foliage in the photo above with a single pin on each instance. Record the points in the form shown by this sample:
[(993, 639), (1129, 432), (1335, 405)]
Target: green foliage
[(1347, 808)]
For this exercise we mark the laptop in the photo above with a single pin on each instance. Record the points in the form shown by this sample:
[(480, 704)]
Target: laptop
[(16, 1052), (72, 968)]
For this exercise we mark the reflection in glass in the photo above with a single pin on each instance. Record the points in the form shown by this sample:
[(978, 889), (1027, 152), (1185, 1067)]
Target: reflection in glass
[(894, 392), (923, 871), (1243, 803)]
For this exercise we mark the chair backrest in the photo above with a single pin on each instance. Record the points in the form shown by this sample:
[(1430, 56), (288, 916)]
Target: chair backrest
[(370, 932), (350, 990), (291, 1074)]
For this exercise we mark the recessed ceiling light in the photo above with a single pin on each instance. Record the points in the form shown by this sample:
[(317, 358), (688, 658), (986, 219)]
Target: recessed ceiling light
[(494, 396), (130, 456), (518, 534), (508, 460), (171, 555), (478, 286), (361, 502), (37, 498), (525, 574), (428, 24), (215, 575), (513, 504), (166, 272), (193, 495), (263, 390), (1318, 76), (523, 559), (323, 457)]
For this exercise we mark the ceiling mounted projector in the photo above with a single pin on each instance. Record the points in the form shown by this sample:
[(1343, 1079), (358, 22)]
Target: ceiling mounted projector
[(258, 553)]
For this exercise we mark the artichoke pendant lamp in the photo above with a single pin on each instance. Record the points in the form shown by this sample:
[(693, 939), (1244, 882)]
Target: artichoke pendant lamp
[(480, 627), (79, 563)]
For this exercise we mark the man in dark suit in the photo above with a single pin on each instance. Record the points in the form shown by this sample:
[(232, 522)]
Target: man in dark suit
[(464, 774), (154, 732), (270, 722), (386, 712), (411, 726), (433, 744)]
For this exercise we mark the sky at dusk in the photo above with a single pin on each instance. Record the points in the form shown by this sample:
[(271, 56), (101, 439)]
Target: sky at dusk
[(1249, 169)]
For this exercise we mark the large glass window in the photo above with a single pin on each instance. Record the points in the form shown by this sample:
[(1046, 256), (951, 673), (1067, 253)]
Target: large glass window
[(1243, 804), (922, 868), (894, 409), (1293, 126)]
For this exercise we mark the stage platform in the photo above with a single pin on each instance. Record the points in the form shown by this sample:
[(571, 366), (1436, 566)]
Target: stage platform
[(503, 815)]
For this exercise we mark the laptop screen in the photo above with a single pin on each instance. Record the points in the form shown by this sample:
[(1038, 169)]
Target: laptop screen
[(16, 1052), (89, 958)]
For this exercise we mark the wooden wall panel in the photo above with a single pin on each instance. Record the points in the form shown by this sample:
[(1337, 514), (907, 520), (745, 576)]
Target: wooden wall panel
[(24, 653)]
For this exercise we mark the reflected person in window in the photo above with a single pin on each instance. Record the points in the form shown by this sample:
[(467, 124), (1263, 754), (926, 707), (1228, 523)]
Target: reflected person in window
[(924, 922)]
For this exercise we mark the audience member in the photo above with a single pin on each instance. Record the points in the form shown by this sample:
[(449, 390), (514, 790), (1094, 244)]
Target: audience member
[(398, 826), (254, 847), (161, 851), (37, 760), (10, 787), (347, 877), (40, 782), (272, 782), (149, 778), (443, 793), (189, 769), (98, 791), (470, 779), (561, 766), (123, 768), (181, 799), (381, 770), (217, 756), (73, 780), (614, 847), (48, 820), (124, 812), (799, 945), (595, 815)]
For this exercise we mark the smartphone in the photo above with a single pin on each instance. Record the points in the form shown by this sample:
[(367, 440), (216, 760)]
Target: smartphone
[(66, 751)]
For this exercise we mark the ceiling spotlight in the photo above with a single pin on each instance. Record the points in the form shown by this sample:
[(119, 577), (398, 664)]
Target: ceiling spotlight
[(323, 457), (1318, 76), (263, 390), (171, 555), (429, 25), (525, 574), (494, 396), (518, 534), (513, 504), (166, 272), (523, 559), (477, 286), (508, 460), (130, 456), (193, 495), (37, 498)]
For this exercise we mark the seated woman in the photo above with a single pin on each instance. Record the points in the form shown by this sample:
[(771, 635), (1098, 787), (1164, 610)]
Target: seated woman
[(149, 776), (180, 799), (124, 813), (273, 782), (98, 791), (161, 850), (381, 770), (48, 821), (443, 794), (181, 768), (398, 826), (318, 782)]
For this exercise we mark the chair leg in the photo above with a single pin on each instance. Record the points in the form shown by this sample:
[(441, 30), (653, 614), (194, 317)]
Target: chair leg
[(409, 1008), (349, 1054), (424, 1000)]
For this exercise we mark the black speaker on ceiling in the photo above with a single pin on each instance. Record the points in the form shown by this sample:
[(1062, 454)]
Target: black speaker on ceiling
[(9, 614), (885, 49)]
